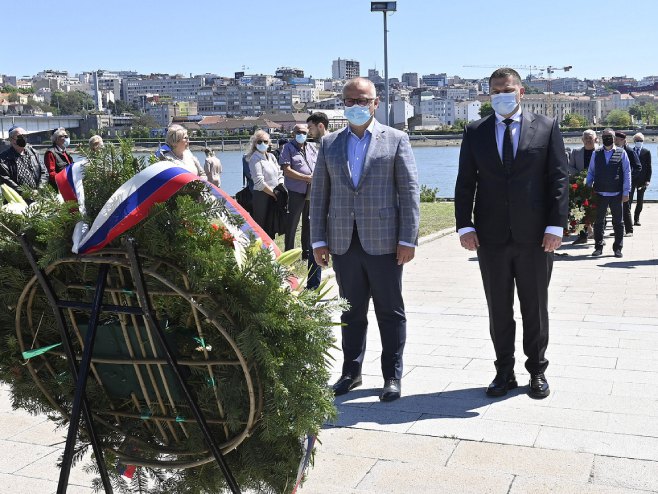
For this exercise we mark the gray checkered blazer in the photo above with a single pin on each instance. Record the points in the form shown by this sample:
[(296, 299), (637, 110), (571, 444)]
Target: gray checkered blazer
[(384, 204)]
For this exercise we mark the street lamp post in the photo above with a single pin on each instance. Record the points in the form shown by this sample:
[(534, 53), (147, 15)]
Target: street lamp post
[(385, 7)]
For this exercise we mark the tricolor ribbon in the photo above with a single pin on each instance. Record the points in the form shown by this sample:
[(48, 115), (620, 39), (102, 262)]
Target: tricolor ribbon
[(133, 200)]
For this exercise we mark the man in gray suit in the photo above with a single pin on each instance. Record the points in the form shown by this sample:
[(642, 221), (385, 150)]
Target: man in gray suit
[(365, 213), (579, 161)]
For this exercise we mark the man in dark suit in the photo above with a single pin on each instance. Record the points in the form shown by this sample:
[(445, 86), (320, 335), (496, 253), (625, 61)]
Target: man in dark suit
[(511, 205), (643, 178), (365, 213), (636, 170)]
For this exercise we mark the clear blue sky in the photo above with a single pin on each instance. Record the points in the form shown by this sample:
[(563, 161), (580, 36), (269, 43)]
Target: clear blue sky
[(598, 38)]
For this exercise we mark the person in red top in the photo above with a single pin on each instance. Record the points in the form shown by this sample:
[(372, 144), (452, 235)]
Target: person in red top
[(56, 158)]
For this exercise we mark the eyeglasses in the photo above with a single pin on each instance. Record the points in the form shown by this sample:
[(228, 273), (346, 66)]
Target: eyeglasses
[(63, 137), (261, 141), (301, 132), (358, 101)]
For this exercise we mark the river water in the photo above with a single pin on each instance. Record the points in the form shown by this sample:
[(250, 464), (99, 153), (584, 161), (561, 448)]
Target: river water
[(437, 167)]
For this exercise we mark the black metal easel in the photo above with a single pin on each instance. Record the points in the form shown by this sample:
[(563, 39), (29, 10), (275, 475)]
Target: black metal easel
[(80, 375)]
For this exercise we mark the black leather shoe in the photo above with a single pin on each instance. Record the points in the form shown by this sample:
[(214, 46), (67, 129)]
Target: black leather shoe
[(501, 384), (391, 390), (538, 386), (597, 252), (346, 383), (582, 239), (618, 253), (637, 223)]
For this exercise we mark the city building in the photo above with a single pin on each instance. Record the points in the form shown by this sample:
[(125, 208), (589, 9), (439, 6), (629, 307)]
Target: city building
[(288, 73), (436, 80), (165, 112), (345, 68), (411, 79), (177, 87)]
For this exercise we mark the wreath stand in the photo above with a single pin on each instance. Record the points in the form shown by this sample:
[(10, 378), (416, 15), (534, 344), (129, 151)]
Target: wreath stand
[(121, 278)]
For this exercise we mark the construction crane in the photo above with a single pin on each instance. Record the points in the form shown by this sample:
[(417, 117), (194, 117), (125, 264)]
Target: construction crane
[(549, 69)]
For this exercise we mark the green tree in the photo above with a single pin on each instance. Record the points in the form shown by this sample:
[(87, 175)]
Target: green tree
[(646, 112), (618, 118), (72, 102), (459, 124), (486, 109), (120, 106), (574, 120)]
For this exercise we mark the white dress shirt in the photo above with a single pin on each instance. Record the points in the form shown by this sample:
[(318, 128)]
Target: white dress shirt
[(515, 129)]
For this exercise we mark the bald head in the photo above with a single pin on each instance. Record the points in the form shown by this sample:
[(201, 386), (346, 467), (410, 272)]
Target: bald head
[(361, 85)]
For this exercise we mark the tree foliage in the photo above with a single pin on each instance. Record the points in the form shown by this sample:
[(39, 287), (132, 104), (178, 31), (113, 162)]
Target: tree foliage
[(618, 118), (645, 112), (574, 120), (72, 102), (486, 109)]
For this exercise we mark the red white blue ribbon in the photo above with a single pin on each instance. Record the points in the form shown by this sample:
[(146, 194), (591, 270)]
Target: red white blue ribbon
[(132, 202)]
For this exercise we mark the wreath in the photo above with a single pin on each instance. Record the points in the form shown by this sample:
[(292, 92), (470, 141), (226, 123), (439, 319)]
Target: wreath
[(582, 204), (236, 303)]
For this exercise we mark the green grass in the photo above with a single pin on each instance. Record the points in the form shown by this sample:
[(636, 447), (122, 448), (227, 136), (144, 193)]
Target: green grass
[(435, 216)]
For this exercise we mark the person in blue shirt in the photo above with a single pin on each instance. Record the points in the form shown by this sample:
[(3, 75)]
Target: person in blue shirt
[(609, 173)]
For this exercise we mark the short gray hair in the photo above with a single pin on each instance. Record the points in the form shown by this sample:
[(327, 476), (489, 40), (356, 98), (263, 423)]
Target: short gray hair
[(175, 134), (15, 131), (57, 134), (589, 132), (95, 142), (638, 136)]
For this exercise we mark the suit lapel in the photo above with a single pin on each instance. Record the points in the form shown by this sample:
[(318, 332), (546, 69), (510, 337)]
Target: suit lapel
[(340, 144), (376, 139), (490, 146), (528, 129)]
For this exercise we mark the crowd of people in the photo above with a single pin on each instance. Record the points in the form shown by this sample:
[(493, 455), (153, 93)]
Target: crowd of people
[(618, 174)]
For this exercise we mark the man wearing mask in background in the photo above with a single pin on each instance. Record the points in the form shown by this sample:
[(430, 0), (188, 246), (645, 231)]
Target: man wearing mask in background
[(365, 210), (297, 160), (636, 169), (609, 173), (579, 161), (318, 123), (511, 205), (20, 165), (641, 181)]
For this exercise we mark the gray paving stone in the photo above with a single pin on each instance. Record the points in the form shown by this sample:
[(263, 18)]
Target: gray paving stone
[(404, 478), (625, 473), (600, 443), (337, 470), (542, 485), (524, 462)]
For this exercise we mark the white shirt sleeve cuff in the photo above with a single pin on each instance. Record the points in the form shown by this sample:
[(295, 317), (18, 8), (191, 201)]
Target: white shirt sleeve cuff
[(466, 229), (315, 245), (558, 231), (406, 244)]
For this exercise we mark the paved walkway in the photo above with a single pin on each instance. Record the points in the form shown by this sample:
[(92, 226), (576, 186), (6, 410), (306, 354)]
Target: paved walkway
[(596, 433)]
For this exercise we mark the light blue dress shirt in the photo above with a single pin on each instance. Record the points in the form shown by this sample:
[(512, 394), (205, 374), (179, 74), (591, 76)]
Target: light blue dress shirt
[(625, 166), (357, 149)]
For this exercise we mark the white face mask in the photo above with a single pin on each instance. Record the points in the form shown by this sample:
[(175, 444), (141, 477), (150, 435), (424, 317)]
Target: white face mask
[(262, 147), (638, 144), (504, 103)]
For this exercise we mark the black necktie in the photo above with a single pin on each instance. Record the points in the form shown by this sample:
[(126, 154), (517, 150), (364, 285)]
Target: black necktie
[(508, 147)]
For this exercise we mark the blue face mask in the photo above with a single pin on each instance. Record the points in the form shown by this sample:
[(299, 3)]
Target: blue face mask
[(357, 115), (638, 144), (67, 142), (504, 103), (300, 138), (262, 147)]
